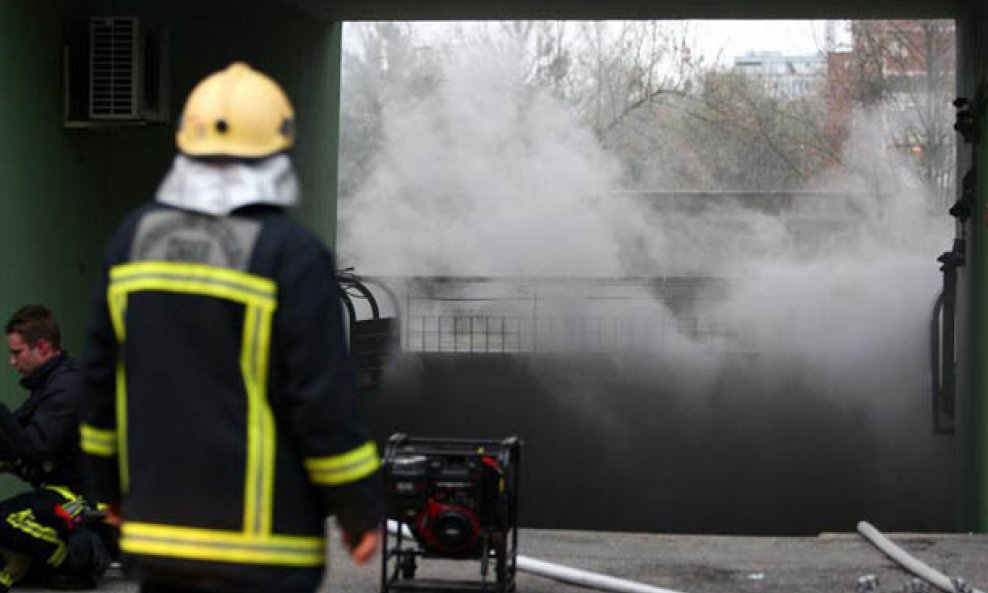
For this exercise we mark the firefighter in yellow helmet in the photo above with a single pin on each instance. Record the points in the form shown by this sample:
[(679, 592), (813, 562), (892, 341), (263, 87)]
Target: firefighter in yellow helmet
[(237, 112), (219, 416)]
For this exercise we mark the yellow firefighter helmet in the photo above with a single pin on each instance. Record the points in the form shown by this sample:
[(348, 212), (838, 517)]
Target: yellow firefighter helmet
[(236, 112)]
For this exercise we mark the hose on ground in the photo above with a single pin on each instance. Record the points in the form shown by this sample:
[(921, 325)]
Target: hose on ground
[(565, 574), (913, 565)]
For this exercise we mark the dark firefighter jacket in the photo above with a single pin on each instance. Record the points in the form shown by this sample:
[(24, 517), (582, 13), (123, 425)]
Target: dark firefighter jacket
[(39, 440), (220, 401)]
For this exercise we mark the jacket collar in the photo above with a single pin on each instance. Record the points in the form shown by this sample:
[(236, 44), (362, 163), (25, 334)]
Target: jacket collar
[(44, 371), (217, 190)]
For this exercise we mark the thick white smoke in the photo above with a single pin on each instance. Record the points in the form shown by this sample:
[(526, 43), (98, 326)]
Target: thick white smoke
[(768, 363), (485, 177), (488, 177)]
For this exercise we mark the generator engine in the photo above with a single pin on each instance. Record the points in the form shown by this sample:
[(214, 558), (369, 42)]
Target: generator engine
[(459, 500)]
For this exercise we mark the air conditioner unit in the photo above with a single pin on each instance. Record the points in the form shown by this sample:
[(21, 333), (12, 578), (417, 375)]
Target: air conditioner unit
[(114, 73)]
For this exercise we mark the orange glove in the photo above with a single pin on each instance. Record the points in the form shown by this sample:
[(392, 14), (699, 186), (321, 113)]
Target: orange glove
[(113, 516), (366, 548)]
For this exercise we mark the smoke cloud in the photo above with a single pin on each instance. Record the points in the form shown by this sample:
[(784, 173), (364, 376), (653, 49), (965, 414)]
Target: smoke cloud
[(490, 177), (824, 297), (483, 178)]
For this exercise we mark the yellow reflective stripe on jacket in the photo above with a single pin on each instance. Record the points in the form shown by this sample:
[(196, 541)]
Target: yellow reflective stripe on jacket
[(347, 467), (258, 295), (24, 521), (221, 546), (74, 503), (97, 441), (259, 488), (117, 304), (189, 278), (121, 418), (65, 492)]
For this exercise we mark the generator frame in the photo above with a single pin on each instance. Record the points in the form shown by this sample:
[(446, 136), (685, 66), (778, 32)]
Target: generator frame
[(399, 560)]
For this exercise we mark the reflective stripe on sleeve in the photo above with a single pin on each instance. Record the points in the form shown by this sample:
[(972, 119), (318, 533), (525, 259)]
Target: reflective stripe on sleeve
[(351, 466), (98, 441)]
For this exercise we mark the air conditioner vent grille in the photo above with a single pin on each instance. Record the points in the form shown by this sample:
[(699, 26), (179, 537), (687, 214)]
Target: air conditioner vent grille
[(113, 68)]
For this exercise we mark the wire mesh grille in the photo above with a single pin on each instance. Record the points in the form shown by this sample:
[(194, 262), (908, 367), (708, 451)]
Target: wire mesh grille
[(113, 68), (505, 315)]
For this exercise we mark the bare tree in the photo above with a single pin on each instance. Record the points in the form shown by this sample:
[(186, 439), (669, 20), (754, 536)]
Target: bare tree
[(907, 67), (750, 140), (622, 67), (382, 64), (673, 121)]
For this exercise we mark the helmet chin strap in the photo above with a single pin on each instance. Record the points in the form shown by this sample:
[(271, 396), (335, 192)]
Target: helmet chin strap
[(219, 189)]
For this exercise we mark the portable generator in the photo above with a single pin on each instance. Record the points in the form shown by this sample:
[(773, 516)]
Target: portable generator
[(459, 500)]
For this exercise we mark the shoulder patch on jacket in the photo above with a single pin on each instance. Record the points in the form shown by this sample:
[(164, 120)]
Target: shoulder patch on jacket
[(179, 236)]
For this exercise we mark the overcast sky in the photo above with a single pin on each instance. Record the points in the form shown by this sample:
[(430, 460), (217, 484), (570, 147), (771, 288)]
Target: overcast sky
[(724, 39), (732, 38)]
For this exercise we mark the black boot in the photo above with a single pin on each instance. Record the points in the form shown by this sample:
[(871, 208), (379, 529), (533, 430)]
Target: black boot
[(86, 562)]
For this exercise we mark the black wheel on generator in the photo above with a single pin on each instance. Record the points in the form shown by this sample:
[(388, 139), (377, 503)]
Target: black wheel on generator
[(408, 565), (485, 555), (501, 568), (385, 555)]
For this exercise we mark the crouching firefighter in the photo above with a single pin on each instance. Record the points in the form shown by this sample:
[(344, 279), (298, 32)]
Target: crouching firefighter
[(43, 534), (219, 420)]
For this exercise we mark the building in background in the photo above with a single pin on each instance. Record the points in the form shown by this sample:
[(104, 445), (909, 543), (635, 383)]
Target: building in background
[(897, 78), (783, 76)]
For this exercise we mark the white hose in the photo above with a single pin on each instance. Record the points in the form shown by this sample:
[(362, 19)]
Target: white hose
[(583, 578), (918, 568), (558, 572)]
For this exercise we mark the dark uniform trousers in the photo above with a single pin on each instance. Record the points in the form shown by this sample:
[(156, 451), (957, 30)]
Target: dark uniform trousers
[(41, 531)]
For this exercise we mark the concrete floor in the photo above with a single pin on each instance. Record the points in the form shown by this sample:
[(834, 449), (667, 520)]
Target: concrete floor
[(829, 563)]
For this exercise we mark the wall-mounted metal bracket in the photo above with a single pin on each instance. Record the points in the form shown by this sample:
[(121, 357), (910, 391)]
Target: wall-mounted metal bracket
[(969, 113), (964, 206), (372, 338)]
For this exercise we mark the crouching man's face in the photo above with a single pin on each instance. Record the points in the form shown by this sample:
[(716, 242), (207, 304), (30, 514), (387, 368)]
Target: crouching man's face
[(26, 358)]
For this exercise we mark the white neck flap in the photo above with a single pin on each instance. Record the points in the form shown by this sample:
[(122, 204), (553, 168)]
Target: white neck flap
[(218, 189)]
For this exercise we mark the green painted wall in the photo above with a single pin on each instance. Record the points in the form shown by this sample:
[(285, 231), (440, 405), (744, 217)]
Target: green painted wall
[(301, 52), (318, 103), (48, 197), (979, 409), (63, 191), (971, 442), (51, 206)]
